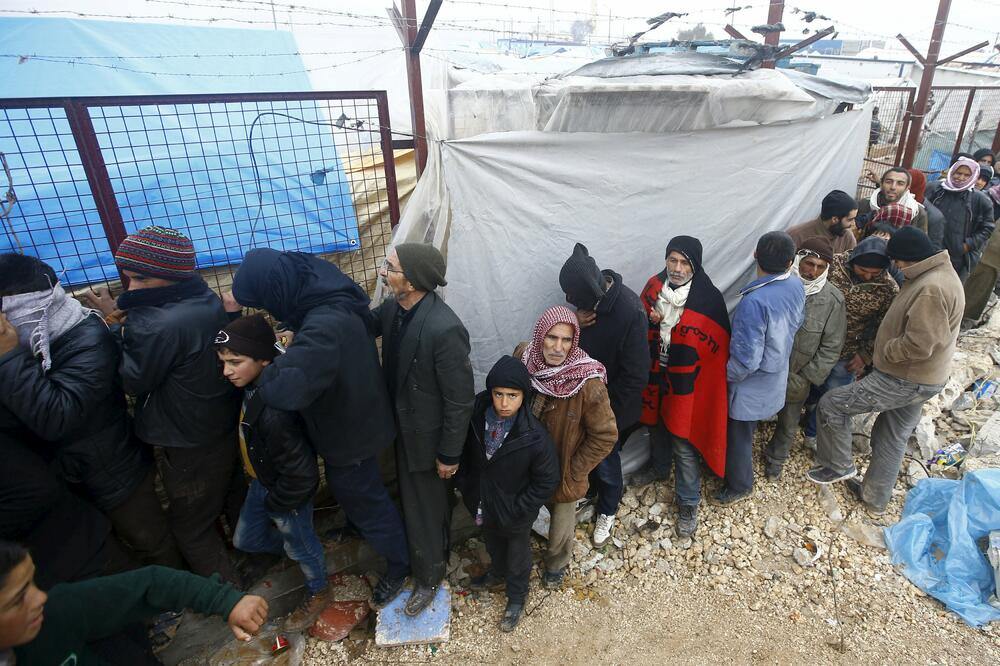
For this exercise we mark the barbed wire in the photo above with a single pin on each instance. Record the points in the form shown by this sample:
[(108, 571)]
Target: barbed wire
[(193, 56), (305, 70)]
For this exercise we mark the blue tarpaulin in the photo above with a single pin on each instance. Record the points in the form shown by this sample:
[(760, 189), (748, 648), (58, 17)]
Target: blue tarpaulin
[(186, 166), (937, 541)]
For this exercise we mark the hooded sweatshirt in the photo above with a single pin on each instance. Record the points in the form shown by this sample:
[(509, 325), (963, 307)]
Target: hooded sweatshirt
[(866, 302)]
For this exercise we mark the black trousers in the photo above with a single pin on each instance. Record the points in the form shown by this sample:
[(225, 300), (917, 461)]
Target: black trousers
[(142, 525), (197, 481), (510, 553), (427, 516)]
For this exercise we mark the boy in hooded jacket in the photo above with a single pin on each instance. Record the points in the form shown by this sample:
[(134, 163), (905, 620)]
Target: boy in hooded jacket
[(277, 457), (509, 469)]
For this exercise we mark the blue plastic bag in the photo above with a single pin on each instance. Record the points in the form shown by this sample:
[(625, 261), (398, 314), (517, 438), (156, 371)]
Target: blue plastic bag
[(935, 541)]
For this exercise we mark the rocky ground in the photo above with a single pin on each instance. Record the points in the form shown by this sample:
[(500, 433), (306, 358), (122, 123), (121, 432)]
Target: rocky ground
[(735, 594), (793, 574)]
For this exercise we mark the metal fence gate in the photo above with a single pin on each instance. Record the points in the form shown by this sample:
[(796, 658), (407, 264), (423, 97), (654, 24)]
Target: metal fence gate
[(294, 171), (958, 119)]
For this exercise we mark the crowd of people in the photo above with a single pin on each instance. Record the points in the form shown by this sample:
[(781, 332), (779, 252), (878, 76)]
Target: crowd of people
[(856, 311)]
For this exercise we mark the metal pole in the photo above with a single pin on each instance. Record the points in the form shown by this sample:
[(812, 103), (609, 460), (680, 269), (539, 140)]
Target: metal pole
[(775, 12), (416, 85), (926, 80)]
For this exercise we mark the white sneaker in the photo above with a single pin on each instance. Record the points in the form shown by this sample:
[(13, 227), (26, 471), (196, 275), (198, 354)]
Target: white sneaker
[(602, 530), (809, 443)]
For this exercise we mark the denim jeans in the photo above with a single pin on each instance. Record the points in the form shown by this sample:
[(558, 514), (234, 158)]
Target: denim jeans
[(261, 531), (607, 480), (686, 459), (898, 401), (838, 377)]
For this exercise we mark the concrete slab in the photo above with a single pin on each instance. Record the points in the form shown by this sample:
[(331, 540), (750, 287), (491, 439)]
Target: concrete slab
[(348, 609), (433, 625)]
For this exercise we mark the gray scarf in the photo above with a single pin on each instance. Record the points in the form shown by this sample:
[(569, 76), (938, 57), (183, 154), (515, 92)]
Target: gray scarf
[(40, 317)]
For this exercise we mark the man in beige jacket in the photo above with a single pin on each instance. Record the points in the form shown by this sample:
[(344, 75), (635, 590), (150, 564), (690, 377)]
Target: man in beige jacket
[(913, 350)]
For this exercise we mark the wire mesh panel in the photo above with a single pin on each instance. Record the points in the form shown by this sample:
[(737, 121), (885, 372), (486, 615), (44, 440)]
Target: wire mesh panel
[(53, 214), (286, 171), (888, 133), (959, 119)]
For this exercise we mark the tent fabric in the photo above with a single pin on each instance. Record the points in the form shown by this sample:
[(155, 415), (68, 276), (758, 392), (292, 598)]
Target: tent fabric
[(936, 542), (187, 166), (518, 201)]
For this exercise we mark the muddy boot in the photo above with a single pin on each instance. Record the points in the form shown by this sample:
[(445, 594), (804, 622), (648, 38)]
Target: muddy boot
[(305, 615)]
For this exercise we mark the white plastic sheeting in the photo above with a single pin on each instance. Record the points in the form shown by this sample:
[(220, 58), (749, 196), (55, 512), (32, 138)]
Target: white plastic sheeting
[(520, 200)]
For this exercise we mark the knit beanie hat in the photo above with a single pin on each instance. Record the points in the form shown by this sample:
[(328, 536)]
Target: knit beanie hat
[(837, 204), (422, 264), (818, 246), (157, 252), (581, 279), (775, 252), (910, 244), (986, 173), (249, 336), (508, 372)]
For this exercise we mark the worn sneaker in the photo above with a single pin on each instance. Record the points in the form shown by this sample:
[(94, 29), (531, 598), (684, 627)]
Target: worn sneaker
[(772, 470), (386, 590), (809, 442), (854, 486), (602, 529), (488, 581), (825, 476), (420, 599), (687, 520), (511, 616), (305, 615), (553, 580)]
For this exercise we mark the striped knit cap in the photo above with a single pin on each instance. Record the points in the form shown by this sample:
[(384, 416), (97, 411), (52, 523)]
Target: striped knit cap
[(157, 252)]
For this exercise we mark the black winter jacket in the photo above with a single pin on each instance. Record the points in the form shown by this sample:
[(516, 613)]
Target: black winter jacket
[(169, 364), (968, 219), (618, 340), (522, 475), (76, 411), (331, 373), (434, 384), (280, 454)]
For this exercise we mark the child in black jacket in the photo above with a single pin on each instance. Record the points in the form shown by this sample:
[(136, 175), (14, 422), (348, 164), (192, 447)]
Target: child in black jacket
[(509, 470), (277, 515)]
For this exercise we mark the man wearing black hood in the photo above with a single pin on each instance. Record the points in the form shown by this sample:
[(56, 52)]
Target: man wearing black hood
[(330, 375), (862, 276), (509, 470), (612, 331), (688, 348), (425, 354)]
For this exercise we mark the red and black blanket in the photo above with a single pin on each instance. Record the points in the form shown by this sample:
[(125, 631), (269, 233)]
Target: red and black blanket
[(689, 394)]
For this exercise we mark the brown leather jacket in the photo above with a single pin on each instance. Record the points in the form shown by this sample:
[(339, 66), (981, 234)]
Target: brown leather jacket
[(583, 429)]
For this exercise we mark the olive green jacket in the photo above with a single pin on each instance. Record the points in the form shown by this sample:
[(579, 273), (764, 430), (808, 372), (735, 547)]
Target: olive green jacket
[(818, 342)]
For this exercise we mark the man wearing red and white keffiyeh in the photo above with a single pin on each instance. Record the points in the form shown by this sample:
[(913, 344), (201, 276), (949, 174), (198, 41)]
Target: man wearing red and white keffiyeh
[(571, 400)]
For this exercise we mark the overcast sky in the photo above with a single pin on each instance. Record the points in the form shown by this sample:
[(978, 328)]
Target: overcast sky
[(970, 21)]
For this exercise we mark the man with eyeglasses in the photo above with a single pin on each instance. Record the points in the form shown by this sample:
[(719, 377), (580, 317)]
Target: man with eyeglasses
[(815, 350), (425, 356)]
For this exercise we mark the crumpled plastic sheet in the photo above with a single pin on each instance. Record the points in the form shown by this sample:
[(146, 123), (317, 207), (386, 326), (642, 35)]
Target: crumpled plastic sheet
[(936, 542)]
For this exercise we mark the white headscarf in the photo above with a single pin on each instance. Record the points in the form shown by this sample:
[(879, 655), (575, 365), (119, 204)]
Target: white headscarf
[(811, 286)]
